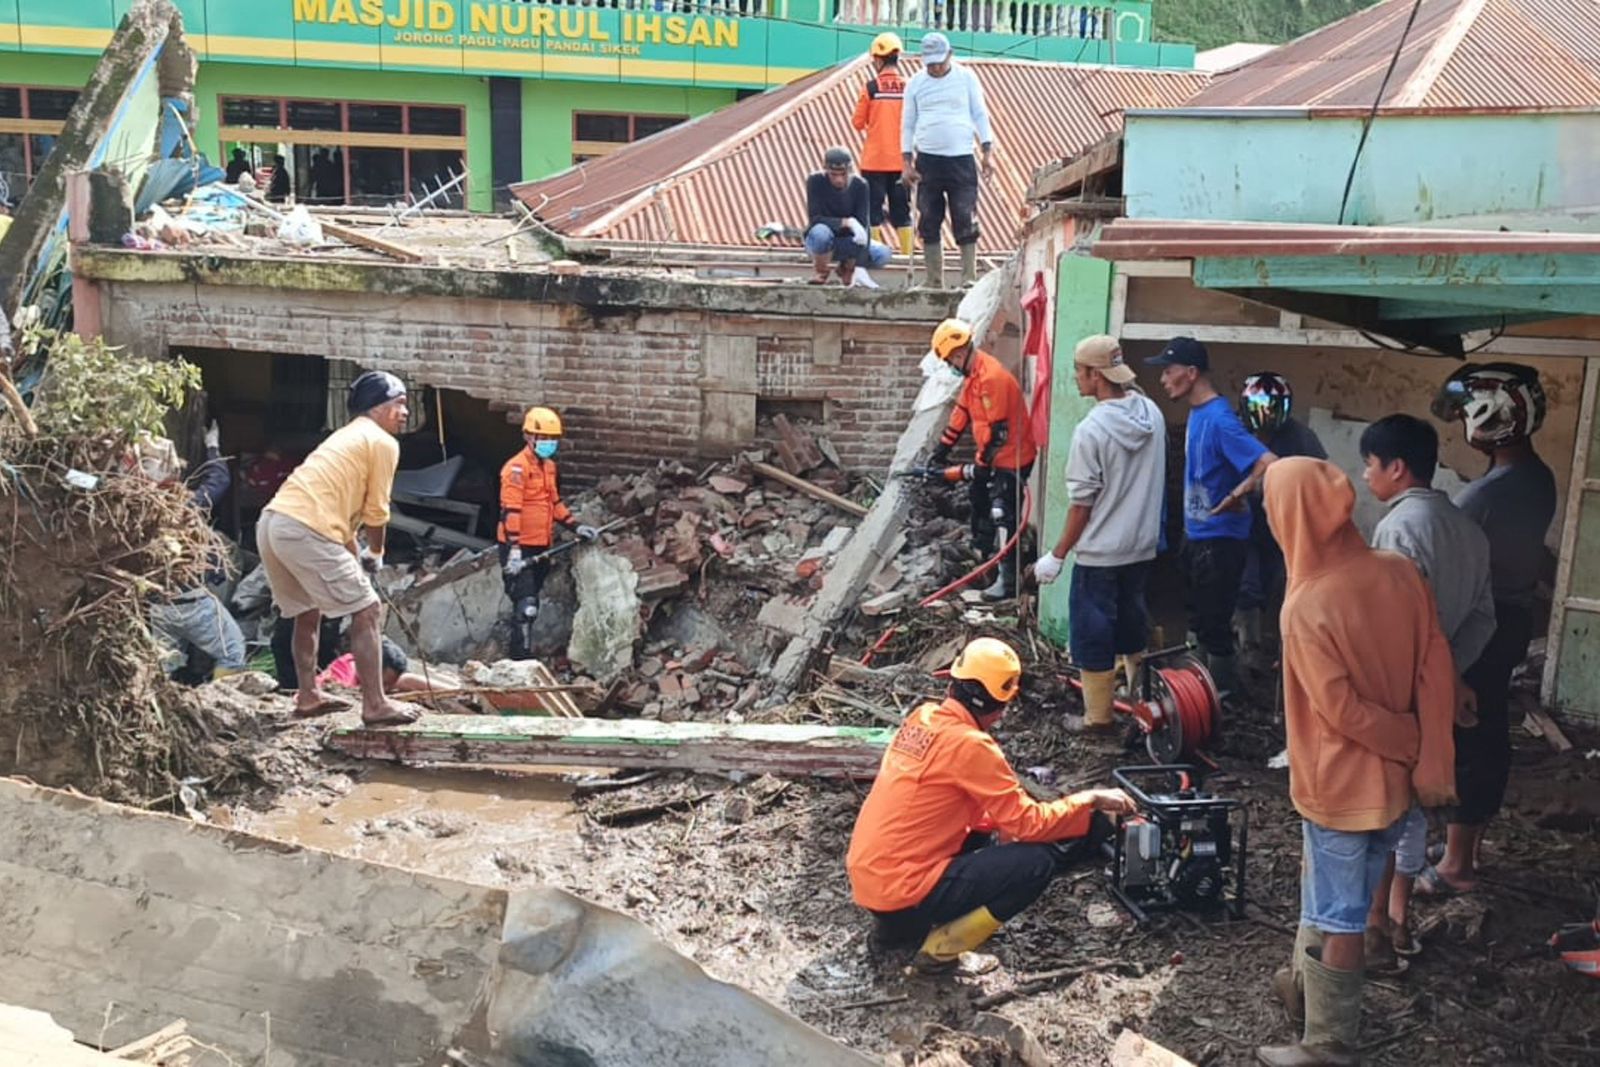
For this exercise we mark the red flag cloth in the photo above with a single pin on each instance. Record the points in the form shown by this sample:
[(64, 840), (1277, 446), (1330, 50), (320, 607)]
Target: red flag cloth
[(1036, 343)]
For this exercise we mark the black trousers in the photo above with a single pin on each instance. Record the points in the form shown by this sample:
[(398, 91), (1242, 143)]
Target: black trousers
[(1483, 753), (523, 590), (886, 185), (1215, 567), (1003, 878), (993, 489), (947, 181)]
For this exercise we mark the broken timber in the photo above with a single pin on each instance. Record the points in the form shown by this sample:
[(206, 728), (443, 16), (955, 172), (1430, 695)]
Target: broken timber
[(795, 482), (878, 533), (809, 751)]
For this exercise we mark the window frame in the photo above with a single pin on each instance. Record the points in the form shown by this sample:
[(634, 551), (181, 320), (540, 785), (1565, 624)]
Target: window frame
[(29, 127), (584, 150)]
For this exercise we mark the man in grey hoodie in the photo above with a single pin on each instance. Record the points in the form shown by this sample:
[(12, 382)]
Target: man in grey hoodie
[(1116, 476)]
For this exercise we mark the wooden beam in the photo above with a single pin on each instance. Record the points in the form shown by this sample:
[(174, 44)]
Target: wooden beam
[(1576, 487), (807, 751), (780, 475), (1136, 1050), (1069, 176), (353, 236)]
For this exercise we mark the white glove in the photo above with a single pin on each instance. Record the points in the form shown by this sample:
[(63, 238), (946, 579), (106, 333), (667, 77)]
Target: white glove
[(587, 533), (371, 562), (213, 435), (858, 231), (514, 562), (1048, 568)]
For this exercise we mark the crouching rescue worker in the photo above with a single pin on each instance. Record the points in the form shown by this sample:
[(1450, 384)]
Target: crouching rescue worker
[(1002, 437), (912, 860), (530, 506)]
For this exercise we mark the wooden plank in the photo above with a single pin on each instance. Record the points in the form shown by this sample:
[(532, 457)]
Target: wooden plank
[(1542, 725), (1069, 176), (1577, 486), (351, 235), (809, 751), (555, 699), (1136, 1050), (781, 475), (727, 419)]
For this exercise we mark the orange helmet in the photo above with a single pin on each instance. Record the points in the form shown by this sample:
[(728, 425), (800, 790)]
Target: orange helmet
[(542, 421), (949, 336), (994, 664), (886, 44)]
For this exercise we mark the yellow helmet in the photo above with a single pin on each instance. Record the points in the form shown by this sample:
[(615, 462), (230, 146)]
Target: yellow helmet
[(542, 421), (993, 663), (950, 335), (886, 44)]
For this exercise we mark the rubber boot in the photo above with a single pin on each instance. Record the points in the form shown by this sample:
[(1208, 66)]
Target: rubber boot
[(933, 265), (969, 264), (1289, 982), (905, 235), (1333, 1022), (1004, 586), (1130, 663), (1097, 687), (942, 950)]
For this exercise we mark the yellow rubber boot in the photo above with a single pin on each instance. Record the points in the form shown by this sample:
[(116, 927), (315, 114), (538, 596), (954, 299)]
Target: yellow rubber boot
[(1097, 689), (1130, 664), (904, 233), (941, 952)]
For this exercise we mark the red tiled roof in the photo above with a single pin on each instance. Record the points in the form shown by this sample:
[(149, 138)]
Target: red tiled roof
[(715, 180), (1459, 54)]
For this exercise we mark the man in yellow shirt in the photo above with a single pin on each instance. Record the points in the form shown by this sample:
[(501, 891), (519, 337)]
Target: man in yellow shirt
[(307, 539)]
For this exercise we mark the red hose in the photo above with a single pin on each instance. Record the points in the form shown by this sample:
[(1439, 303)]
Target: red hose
[(967, 579)]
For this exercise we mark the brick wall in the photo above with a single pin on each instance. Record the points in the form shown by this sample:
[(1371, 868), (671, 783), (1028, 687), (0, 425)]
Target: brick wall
[(632, 386)]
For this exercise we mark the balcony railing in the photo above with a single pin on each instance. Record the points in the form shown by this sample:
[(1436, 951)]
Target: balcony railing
[(1029, 18)]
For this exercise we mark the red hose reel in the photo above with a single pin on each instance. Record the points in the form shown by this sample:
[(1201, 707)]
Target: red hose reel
[(1177, 707)]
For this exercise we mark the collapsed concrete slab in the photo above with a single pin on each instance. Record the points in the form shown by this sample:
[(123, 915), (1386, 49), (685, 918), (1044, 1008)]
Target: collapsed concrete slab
[(118, 921), (607, 625)]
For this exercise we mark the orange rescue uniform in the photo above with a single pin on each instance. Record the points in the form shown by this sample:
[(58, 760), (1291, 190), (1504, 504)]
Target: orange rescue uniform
[(878, 112), (991, 402), (530, 502), (941, 776)]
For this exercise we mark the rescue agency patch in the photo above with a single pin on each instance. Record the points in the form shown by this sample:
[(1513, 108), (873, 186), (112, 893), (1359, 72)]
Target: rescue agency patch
[(913, 740)]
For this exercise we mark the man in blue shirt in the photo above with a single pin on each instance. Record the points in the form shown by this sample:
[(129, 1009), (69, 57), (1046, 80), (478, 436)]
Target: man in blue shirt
[(1222, 465)]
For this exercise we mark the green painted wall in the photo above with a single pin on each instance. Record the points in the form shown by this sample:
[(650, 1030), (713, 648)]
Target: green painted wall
[(240, 79), (56, 71), (547, 109), (1083, 302)]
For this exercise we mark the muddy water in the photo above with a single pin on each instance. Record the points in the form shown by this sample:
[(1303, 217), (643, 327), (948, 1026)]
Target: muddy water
[(478, 825)]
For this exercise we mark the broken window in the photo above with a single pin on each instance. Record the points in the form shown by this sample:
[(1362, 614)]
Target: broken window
[(598, 133)]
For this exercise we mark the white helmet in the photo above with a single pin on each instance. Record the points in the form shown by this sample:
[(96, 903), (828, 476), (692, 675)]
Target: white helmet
[(1500, 403)]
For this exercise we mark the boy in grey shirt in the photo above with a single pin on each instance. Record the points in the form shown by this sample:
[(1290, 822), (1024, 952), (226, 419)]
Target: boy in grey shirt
[(1452, 553)]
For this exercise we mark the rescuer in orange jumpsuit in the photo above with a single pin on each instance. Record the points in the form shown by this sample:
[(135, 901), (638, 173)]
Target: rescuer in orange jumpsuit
[(1002, 436), (917, 860), (878, 113), (530, 506)]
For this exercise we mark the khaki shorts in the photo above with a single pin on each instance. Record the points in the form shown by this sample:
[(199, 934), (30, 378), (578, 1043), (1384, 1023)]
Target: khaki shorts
[(308, 572)]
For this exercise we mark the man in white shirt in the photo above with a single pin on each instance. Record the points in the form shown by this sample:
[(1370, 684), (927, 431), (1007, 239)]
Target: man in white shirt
[(944, 114)]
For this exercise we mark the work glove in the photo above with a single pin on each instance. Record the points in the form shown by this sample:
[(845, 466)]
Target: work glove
[(213, 435), (939, 456), (1048, 568), (587, 533), (514, 562), (371, 562)]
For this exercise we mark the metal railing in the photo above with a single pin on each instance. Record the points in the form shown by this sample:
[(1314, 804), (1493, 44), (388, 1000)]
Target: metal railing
[(777, 9), (1029, 18)]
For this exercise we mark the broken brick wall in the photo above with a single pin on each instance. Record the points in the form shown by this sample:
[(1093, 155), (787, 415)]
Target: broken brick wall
[(633, 386)]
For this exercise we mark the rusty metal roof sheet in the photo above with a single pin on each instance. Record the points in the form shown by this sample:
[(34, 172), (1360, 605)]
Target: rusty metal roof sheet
[(1459, 54), (715, 180)]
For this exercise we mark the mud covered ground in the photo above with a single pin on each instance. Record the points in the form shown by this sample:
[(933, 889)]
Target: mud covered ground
[(747, 878)]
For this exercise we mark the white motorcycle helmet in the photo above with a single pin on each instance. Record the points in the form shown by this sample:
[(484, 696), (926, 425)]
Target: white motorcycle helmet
[(1499, 403)]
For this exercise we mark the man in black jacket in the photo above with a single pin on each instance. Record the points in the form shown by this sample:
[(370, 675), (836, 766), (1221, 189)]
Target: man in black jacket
[(837, 205)]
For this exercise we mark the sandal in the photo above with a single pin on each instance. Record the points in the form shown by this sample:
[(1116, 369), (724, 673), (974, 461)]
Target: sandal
[(1430, 883)]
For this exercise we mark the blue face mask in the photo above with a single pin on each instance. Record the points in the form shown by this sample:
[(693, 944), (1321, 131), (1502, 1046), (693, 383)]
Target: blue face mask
[(545, 449)]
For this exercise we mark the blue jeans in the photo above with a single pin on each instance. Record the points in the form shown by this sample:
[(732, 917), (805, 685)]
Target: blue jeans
[(1340, 872), (820, 240), (1107, 614), (198, 618)]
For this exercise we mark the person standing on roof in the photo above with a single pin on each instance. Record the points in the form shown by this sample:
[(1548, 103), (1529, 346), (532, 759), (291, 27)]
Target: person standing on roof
[(1116, 479), (879, 110), (1222, 466), (922, 858), (1500, 406), (530, 506), (1265, 405), (944, 114), (836, 228), (1002, 436), (307, 538)]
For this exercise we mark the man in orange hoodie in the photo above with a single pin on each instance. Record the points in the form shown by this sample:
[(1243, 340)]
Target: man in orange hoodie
[(1369, 702), (878, 113), (917, 860)]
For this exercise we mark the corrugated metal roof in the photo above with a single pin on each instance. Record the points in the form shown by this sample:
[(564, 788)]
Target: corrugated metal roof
[(714, 181), (1459, 54)]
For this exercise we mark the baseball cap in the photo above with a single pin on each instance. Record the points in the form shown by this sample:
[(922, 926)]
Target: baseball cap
[(1104, 354), (1182, 352), (935, 48), (837, 158)]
